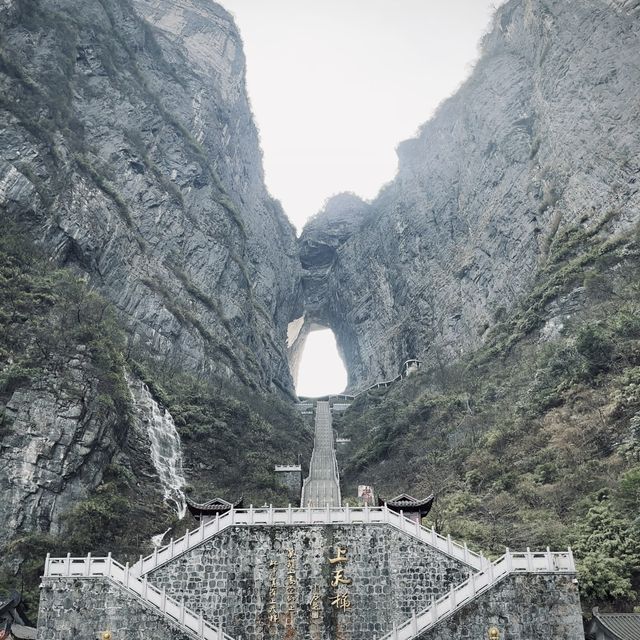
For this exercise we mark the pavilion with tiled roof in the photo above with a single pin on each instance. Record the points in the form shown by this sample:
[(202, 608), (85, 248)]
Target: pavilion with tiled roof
[(411, 507), (211, 508), (614, 626)]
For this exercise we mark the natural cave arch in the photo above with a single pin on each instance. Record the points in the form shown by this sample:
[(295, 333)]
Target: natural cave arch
[(298, 333)]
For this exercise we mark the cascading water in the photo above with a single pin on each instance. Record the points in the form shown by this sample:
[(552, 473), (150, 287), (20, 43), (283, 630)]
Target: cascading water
[(166, 452), (156, 540)]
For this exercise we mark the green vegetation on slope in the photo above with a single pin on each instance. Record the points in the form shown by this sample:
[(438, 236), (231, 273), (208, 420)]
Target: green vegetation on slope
[(45, 315), (231, 437), (534, 440), (48, 316)]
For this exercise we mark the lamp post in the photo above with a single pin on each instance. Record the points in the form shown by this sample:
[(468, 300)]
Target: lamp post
[(494, 633)]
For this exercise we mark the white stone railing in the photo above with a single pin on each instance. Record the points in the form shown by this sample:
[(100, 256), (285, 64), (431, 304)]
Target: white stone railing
[(479, 583), (308, 516), (336, 475), (174, 610), (329, 398), (303, 492)]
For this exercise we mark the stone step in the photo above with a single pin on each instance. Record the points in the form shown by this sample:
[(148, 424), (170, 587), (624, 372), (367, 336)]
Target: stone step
[(477, 584), (173, 610), (322, 486)]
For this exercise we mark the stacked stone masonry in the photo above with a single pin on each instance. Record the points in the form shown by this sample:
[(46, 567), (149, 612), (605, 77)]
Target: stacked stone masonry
[(521, 607), (228, 579), (311, 582), (291, 479), (75, 608)]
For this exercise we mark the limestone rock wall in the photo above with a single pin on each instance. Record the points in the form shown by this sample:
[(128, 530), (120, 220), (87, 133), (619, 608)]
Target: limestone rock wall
[(521, 607), (545, 133), (84, 608), (128, 150), (57, 439), (229, 579)]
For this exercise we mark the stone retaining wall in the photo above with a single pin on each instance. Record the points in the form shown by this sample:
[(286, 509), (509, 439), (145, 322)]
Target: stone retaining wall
[(522, 607), (317, 582), (247, 579), (82, 608)]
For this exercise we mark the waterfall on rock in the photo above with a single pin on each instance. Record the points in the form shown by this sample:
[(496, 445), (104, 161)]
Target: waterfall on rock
[(166, 451), (156, 540)]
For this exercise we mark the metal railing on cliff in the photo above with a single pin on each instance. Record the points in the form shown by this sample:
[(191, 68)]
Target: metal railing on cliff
[(303, 400)]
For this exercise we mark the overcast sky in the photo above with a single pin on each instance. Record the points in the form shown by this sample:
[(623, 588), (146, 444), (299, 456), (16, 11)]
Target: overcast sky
[(335, 85)]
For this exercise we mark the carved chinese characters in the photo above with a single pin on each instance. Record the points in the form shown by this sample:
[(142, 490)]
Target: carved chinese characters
[(282, 596), (316, 603), (340, 598), (272, 612), (291, 586)]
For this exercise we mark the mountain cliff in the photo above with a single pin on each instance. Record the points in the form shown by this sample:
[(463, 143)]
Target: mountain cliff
[(138, 242), (128, 149), (142, 251), (544, 135)]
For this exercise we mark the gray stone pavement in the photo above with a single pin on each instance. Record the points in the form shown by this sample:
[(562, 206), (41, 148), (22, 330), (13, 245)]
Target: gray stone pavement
[(322, 487)]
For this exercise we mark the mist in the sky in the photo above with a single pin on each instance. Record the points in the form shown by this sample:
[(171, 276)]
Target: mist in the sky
[(335, 85), (321, 368)]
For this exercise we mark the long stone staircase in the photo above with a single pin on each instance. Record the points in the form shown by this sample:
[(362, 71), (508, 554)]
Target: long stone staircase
[(320, 501), (322, 487), (320, 506)]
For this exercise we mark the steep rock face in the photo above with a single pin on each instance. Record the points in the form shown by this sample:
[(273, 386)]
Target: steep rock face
[(91, 457), (320, 243), (543, 135), (56, 441), (128, 149), (58, 437)]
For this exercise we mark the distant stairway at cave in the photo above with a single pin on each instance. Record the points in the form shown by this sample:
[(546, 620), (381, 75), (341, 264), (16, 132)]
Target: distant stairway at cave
[(322, 487), (320, 571)]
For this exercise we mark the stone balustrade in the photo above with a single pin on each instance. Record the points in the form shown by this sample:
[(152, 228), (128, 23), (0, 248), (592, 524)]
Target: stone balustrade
[(463, 588), (106, 567), (308, 516), (527, 562)]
